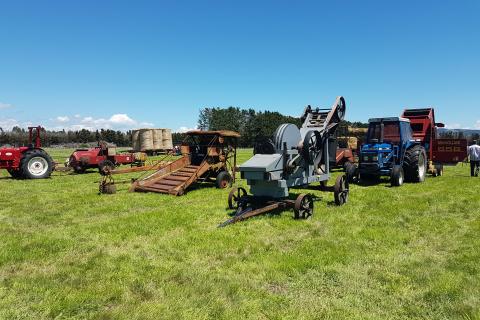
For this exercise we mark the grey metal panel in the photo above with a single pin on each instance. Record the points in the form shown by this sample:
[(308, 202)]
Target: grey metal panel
[(263, 163)]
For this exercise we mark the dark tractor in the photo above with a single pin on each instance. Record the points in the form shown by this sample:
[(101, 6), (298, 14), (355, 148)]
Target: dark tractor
[(390, 150)]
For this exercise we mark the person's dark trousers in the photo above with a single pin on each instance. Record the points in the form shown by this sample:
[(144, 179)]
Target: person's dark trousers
[(473, 165)]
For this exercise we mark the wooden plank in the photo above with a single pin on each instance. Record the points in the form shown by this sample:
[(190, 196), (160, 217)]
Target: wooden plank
[(168, 182), (181, 174), (151, 189), (176, 178)]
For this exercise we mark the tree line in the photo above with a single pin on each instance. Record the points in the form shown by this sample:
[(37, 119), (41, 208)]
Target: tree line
[(249, 123), (19, 137)]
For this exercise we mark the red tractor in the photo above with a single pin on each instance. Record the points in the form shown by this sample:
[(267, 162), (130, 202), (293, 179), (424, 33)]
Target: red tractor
[(102, 157), (31, 162), (439, 151)]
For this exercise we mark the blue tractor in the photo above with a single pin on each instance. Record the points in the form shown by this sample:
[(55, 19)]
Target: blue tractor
[(390, 150)]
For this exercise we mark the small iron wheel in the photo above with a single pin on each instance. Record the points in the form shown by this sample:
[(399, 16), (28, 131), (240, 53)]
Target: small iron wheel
[(105, 167), (341, 190), (303, 206), (234, 197), (108, 188)]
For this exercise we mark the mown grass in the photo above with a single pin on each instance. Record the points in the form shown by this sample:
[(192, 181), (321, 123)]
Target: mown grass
[(390, 253)]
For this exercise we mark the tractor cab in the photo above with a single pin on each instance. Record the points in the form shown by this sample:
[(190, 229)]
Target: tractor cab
[(386, 142)]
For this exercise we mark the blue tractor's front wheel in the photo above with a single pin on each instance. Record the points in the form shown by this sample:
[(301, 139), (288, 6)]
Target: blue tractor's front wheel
[(397, 177)]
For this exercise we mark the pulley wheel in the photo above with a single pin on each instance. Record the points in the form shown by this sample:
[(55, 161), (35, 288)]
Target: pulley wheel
[(340, 109), (311, 146), (288, 134)]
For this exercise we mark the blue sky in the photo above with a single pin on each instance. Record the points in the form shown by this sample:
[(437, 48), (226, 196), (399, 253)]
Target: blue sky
[(125, 64)]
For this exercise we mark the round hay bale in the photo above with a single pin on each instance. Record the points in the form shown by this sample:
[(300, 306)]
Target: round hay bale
[(167, 139), (146, 139), (157, 139), (135, 140)]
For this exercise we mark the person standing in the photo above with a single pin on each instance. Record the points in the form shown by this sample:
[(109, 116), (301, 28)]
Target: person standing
[(474, 155)]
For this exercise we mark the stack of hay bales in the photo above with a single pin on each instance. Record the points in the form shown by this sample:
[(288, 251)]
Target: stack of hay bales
[(152, 140), (354, 135)]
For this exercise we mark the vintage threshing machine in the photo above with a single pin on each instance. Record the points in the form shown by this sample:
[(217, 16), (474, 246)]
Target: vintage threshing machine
[(294, 158), (206, 156)]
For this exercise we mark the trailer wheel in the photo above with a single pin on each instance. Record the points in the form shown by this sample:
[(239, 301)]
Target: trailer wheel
[(341, 190), (415, 163), (351, 171), (397, 176), (223, 180), (16, 174), (234, 197), (36, 164), (105, 166), (303, 206)]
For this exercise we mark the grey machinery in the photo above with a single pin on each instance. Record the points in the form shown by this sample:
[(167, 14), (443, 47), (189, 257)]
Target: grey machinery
[(294, 158)]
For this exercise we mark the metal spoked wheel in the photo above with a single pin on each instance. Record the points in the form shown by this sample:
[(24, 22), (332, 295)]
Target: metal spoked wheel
[(37, 166), (234, 197), (311, 148), (341, 190), (303, 206), (340, 109)]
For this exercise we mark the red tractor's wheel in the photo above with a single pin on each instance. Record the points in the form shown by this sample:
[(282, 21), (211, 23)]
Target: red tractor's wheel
[(36, 164), (303, 206)]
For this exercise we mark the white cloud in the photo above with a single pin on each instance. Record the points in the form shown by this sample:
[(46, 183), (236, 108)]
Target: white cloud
[(5, 105), (8, 124), (122, 119), (62, 119), (184, 129), (119, 121), (453, 126), (477, 124)]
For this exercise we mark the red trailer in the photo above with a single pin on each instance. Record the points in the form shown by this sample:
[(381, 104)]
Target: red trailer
[(102, 157), (30, 162), (440, 152)]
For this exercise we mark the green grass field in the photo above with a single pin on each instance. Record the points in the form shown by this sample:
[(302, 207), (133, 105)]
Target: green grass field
[(390, 253)]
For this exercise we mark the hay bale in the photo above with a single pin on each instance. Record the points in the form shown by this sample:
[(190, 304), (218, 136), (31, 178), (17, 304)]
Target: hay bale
[(357, 132), (135, 140), (348, 142), (167, 139), (146, 139), (157, 139)]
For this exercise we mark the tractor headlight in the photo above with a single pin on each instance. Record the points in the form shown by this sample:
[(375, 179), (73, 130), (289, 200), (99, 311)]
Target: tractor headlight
[(375, 158), (365, 158)]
